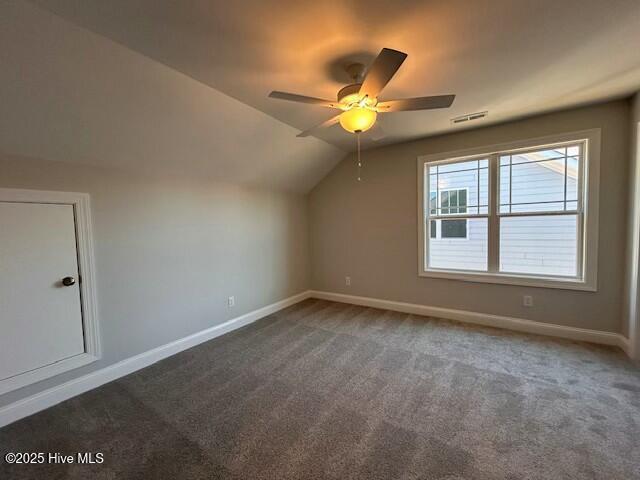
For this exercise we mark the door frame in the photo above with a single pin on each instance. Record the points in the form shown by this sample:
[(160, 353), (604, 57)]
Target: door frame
[(86, 271)]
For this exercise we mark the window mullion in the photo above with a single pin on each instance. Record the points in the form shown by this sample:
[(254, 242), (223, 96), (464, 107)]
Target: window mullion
[(494, 221)]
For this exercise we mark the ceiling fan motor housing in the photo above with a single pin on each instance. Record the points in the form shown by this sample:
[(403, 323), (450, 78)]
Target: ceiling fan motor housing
[(356, 72), (348, 91)]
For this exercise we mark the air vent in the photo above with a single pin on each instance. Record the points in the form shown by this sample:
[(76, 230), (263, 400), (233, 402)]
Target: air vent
[(470, 116)]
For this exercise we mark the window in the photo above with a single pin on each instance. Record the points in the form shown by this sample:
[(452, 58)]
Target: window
[(449, 229), (454, 229), (522, 213), (452, 201)]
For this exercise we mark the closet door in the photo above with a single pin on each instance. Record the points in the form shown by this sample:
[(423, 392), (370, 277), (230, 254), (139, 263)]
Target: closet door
[(40, 306)]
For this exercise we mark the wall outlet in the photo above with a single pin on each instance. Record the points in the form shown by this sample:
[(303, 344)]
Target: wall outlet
[(347, 281), (231, 301), (527, 301)]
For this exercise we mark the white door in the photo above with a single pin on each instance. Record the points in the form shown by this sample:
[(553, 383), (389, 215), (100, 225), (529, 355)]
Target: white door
[(40, 316)]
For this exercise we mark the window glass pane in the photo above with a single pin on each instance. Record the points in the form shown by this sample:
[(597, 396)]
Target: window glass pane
[(432, 228), (444, 199), (457, 166), (505, 188), (537, 207), (572, 178), (559, 152), (460, 184), (539, 181), (462, 201), (468, 253), (539, 245), (453, 198), (483, 194), (433, 204)]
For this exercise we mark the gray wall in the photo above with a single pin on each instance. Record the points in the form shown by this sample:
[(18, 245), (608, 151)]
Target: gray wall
[(368, 230), (169, 252)]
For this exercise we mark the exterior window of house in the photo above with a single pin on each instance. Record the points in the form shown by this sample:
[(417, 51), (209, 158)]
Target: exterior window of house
[(451, 202), (454, 228), (523, 214)]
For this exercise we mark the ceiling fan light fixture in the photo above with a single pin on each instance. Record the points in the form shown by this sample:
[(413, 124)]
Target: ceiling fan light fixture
[(358, 119), (359, 100)]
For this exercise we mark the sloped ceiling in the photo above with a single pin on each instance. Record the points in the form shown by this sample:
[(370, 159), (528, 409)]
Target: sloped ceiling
[(511, 57), (70, 95)]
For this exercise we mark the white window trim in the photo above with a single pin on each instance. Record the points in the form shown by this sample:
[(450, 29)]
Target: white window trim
[(86, 269), (590, 215)]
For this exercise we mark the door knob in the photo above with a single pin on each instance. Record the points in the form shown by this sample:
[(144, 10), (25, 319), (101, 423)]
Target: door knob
[(68, 281)]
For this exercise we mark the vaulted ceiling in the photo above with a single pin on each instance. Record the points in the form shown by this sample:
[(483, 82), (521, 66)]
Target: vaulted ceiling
[(74, 96), (511, 57), (181, 86)]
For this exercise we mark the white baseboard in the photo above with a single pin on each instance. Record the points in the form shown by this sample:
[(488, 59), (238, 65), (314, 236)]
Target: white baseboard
[(486, 319), (52, 396)]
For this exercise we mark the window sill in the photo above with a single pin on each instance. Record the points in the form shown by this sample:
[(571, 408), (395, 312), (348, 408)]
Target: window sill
[(505, 279)]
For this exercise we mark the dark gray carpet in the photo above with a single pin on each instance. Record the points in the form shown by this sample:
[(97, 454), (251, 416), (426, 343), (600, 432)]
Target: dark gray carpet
[(328, 390)]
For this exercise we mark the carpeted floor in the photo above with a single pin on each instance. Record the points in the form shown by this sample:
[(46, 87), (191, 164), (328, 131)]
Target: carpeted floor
[(329, 390)]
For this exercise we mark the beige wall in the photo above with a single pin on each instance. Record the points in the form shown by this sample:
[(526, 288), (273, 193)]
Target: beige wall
[(170, 251), (368, 230)]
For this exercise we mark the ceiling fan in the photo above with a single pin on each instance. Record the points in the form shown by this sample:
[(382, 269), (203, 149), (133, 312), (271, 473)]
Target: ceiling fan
[(359, 100)]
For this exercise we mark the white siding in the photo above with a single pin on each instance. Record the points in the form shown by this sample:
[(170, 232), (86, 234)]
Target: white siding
[(461, 253), (539, 245), (533, 182)]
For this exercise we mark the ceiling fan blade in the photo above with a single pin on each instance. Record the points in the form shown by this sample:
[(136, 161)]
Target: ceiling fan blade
[(418, 103), (381, 71), (293, 97), (327, 123)]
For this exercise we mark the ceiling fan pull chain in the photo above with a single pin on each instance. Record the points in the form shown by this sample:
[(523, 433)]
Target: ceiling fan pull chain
[(359, 160)]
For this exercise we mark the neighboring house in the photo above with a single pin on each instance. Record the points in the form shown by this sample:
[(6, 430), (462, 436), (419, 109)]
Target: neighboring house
[(544, 245)]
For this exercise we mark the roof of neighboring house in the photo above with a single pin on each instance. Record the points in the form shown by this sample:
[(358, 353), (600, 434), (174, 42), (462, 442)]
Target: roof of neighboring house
[(557, 166)]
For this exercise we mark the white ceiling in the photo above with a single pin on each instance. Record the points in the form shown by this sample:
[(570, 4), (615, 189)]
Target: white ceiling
[(510, 57), (71, 95)]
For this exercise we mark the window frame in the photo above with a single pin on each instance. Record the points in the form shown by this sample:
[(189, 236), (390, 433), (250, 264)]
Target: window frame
[(588, 193)]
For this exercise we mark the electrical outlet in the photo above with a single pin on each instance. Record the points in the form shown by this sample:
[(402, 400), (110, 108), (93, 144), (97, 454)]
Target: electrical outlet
[(347, 281), (231, 301), (527, 301)]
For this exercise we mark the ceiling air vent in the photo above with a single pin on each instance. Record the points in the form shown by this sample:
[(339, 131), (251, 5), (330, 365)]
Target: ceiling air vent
[(470, 116)]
